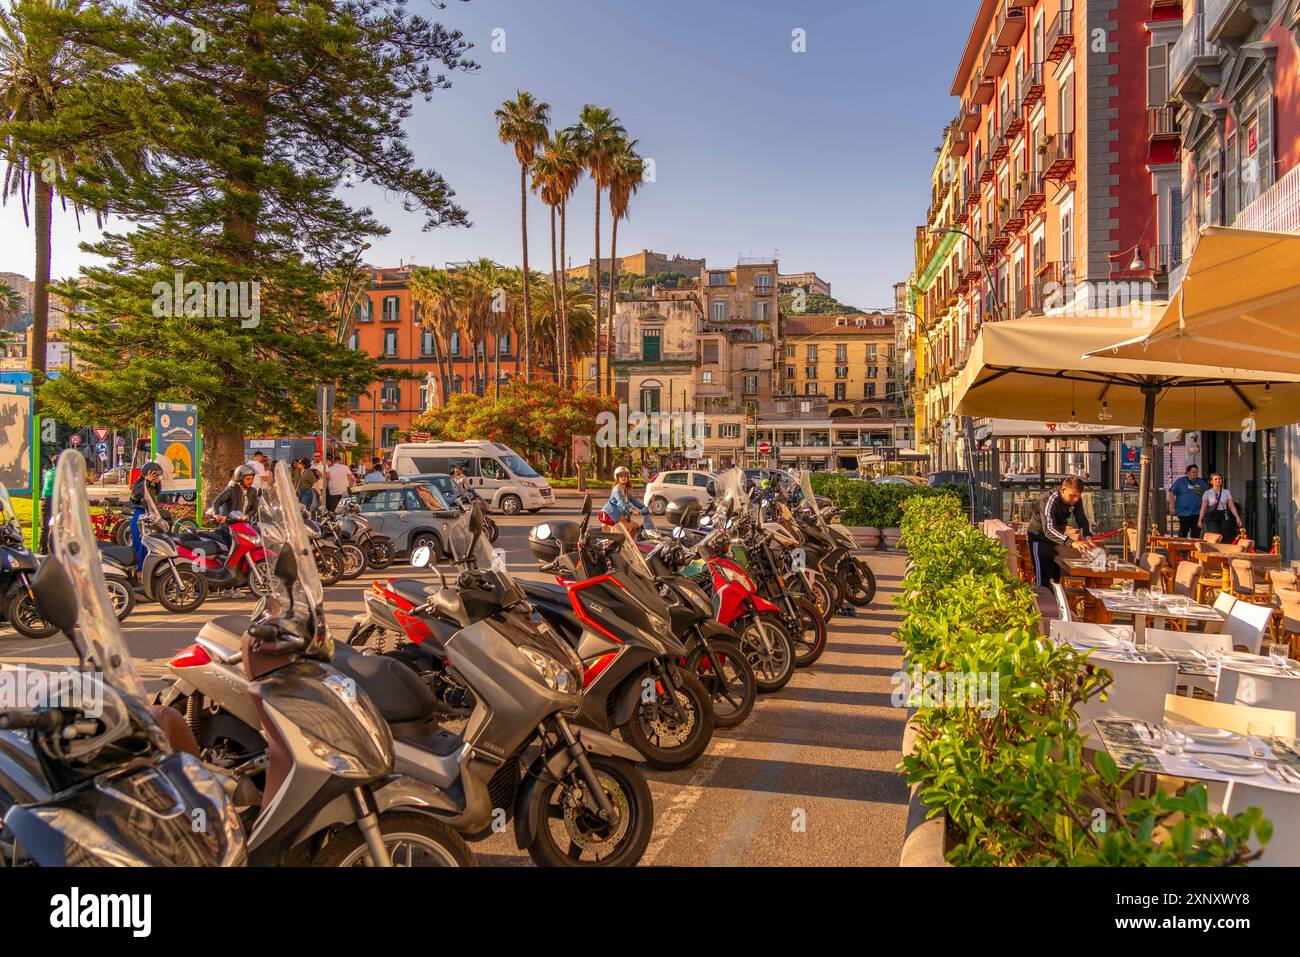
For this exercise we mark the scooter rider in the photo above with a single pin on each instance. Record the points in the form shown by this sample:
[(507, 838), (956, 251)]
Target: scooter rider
[(623, 501), (241, 495), (146, 487)]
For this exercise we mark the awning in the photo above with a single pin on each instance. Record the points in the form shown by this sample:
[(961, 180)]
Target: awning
[(1035, 369), (1238, 307), (1028, 428)]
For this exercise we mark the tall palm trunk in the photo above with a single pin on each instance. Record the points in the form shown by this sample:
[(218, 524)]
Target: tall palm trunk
[(555, 299), (564, 301), (613, 298), (40, 290), (596, 283), (496, 349), (528, 305)]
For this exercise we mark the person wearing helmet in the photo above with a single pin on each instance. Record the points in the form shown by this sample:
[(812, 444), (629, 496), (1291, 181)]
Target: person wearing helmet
[(145, 490), (241, 495), (622, 499)]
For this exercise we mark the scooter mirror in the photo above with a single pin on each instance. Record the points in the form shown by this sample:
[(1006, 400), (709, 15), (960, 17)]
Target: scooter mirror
[(476, 520), (421, 556), (679, 532), (286, 567), (55, 596)]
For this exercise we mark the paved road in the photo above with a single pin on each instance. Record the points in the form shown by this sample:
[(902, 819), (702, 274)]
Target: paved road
[(808, 779)]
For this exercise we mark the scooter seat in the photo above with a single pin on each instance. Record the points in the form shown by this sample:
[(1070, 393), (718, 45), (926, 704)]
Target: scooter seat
[(413, 590), (121, 554), (395, 689), (202, 540), (548, 592)]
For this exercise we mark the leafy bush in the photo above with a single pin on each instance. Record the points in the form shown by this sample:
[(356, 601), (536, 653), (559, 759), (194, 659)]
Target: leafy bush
[(1012, 778), (875, 504)]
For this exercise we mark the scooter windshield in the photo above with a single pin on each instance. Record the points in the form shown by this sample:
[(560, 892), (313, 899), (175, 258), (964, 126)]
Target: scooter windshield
[(97, 637), (730, 488), (8, 518), (809, 499), (466, 547), (282, 527)]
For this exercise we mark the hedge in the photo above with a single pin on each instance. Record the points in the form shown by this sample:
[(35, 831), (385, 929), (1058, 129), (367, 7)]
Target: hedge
[(876, 504)]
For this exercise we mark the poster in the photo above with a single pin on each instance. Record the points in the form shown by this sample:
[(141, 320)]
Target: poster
[(176, 438), (1129, 460), (16, 436)]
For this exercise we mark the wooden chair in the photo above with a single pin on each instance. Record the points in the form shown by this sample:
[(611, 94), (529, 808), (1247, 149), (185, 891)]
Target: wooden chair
[(1186, 579), (1212, 538), (1154, 564), (1280, 578), (1246, 586), (1280, 807), (1230, 717), (1289, 608)]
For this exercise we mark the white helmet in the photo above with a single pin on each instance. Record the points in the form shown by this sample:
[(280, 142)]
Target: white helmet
[(621, 471)]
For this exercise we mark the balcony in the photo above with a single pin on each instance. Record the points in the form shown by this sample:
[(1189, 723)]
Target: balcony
[(1031, 194), (973, 273), (969, 122), (986, 171), (960, 144), (995, 239), (1011, 26), (1014, 121), (1052, 286), (1196, 64), (1034, 85), (1162, 123), (1014, 220), (1058, 160), (998, 150), (983, 89), (1060, 36), (996, 59), (1233, 21), (761, 289), (972, 197), (1164, 259)]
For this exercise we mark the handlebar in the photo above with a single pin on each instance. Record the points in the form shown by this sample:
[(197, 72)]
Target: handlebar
[(43, 721)]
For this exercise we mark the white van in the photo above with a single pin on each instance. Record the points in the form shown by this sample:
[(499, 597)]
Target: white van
[(501, 476)]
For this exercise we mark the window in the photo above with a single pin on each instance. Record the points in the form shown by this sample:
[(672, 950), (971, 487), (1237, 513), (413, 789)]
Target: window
[(789, 372), (750, 384), (873, 372), (729, 431), (810, 372), (388, 436), (391, 392), (869, 390), (365, 310), (789, 352), (706, 378), (1157, 76), (426, 342), (763, 281), (751, 358), (718, 310), (871, 352), (700, 480), (505, 342), (810, 388), (491, 469), (708, 352), (841, 353), (389, 500), (840, 391), (812, 353), (390, 342), (354, 402), (719, 278), (650, 396), (650, 342), (1066, 103), (841, 372), (392, 308), (455, 343), (354, 340), (762, 311)]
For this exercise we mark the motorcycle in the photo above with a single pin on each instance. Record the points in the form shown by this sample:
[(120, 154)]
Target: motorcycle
[(228, 565), (168, 576), (465, 501), (317, 785), (379, 549), (88, 777), (355, 559), (582, 801), (856, 580)]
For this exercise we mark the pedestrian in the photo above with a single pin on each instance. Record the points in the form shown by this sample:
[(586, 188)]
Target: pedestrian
[(47, 504), (144, 494), (338, 482), (1185, 497), (304, 483), (1058, 529), (1219, 511), (459, 479), (376, 473), (261, 470)]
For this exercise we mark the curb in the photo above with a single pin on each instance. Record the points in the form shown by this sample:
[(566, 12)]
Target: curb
[(923, 839)]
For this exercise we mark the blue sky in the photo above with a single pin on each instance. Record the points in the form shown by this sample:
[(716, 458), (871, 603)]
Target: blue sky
[(822, 157)]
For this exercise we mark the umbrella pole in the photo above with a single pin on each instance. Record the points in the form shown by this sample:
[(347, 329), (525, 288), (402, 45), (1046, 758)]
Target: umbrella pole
[(1145, 463)]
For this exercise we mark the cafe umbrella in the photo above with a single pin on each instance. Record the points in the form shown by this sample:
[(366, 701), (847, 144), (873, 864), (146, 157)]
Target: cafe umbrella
[(1052, 367)]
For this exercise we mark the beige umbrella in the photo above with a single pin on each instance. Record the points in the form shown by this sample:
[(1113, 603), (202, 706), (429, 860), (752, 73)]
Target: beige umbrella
[(1058, 367), (1239, 306)]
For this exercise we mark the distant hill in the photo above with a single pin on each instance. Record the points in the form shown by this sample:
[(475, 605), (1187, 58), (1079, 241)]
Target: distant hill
[(815, 304)]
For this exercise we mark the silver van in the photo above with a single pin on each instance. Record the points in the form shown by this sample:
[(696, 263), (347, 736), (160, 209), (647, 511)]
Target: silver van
[(499, 474)]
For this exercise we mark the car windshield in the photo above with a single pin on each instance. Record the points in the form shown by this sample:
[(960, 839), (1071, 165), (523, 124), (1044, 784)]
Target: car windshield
[(430, 497), (97, 637), (281, 524), (518, 466)]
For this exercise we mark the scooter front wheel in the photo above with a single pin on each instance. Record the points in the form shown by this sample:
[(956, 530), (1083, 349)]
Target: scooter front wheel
[(26, 618), (671, 732), (859, 582), (354, 560), (571, 835), (183, 596), (770, 650), (412, 839)]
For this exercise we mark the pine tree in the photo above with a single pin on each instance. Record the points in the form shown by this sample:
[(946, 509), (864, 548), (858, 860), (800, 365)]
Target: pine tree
[(252, 116)]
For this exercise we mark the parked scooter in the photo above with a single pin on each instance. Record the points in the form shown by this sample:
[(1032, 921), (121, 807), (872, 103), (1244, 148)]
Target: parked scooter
[(327, 792), (856, 580), (582, 801), (88, 776), (166, 576), (354, 556)]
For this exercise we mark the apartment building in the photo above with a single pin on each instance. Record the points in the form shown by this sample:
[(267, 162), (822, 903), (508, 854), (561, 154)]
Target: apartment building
[(1056, 186), (1232, 69), (808, 280)]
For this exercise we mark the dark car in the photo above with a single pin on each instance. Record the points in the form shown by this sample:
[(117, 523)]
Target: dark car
[(443, 482), (949, 477)]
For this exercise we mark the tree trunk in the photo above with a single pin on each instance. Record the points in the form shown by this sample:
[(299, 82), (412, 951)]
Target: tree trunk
[(40, 289), (596, 283), (613, 299), (528, 302), (223, 452), (496, 349), (555, 300), (566, 364)]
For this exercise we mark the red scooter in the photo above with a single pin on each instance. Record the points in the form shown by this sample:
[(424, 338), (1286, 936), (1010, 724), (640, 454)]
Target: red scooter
[(241, 564)]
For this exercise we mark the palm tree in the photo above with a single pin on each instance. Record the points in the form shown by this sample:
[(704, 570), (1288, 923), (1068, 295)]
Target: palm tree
[(557, 172), (598, 133), (486, 307), (522, 123), (39, 69), (434, 293), (11, 305), (549, 320), (627, 173)]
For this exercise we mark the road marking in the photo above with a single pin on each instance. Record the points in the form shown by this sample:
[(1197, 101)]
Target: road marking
[(752, 808), (689, 794)]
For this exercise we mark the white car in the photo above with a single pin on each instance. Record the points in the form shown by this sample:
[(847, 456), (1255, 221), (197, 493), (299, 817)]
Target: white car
[(665, 487)]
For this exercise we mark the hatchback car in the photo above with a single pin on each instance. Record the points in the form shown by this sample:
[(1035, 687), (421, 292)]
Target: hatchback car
[(665, 487), (412, 514)]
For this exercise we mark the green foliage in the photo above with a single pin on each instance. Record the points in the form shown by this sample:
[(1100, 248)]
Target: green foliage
[(815, 304), (874, 504), (1012, 779), (537, 419)]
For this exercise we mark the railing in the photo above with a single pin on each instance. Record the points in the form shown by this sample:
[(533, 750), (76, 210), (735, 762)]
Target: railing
[(1059, 157), (1029, 188), (1166, 257), (1060, 36), (1191, 46), (1162, 121), (1277, 209)]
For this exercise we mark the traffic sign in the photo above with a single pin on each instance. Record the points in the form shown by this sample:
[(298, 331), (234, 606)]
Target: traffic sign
[(120, 442), (764, 448), (101, 434), (101, 447), (74, 439)]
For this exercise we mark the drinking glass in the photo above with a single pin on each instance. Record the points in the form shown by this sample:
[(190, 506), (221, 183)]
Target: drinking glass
[(1171, 739), (1260, 734), (1126, 586), (1278, 654)]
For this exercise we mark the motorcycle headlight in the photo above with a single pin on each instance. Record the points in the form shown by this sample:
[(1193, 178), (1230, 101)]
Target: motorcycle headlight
[(553, 674)]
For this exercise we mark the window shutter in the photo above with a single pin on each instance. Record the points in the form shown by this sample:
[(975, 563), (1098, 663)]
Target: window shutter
[(1158, 75)]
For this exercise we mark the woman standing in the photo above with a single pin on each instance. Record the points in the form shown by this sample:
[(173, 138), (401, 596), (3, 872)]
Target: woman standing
[(1219, 511), (304, 483)]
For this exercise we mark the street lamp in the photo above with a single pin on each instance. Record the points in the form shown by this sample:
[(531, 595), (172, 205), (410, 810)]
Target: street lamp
[(988, 273)]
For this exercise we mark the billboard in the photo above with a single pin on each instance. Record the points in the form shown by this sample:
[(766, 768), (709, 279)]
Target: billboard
[(16, 436), (176, 438)]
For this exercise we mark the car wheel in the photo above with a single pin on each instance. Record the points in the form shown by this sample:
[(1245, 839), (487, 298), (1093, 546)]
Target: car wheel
[(658, 505), (511, 504)]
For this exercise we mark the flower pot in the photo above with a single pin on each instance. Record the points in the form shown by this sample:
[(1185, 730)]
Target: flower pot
[(867, 537), (891, 537)]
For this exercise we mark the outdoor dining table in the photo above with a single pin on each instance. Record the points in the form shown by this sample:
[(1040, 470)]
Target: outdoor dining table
[(1179, 549), (1101, 578), (1221, 562), (1132, 743), (1117, 603)]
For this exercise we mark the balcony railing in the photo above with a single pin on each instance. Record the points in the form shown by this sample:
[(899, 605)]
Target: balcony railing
[(996, 58), (1277, 209), (1034, 85), (1193, 65), (1011, 26), (1058, 161), (983, 89), (1014, 120), (1060, 36), (1031, 194), (1053, 285), (1165, 258), (1162, 121)]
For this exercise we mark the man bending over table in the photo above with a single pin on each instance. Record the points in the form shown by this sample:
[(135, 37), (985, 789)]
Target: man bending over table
[(1058, 527)]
